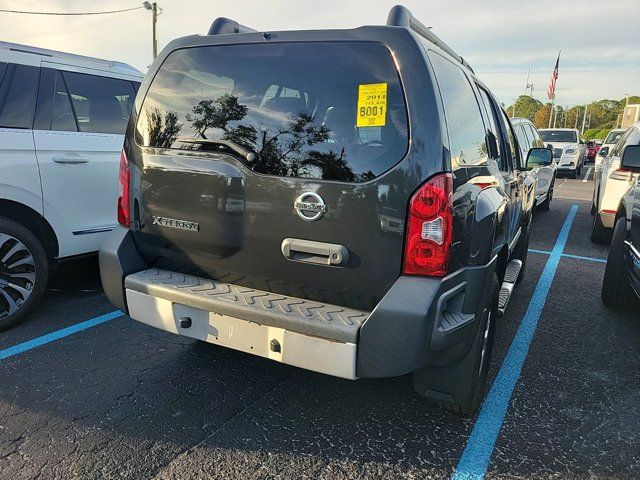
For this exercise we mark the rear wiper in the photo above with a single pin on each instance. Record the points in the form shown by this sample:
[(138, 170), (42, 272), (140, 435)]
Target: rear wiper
[(235, 147)]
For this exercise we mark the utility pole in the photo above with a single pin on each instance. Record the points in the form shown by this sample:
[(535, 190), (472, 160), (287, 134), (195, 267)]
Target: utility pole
[(584, 118), (155, 11), (576, 115)]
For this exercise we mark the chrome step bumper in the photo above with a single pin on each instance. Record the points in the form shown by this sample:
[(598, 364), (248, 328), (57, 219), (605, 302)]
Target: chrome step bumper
[(290, 330)]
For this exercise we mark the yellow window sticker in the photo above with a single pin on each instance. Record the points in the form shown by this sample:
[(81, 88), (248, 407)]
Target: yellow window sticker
[(372, 105)]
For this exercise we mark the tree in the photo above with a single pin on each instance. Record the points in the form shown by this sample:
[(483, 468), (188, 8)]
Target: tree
[(541, 117), (525, 106)]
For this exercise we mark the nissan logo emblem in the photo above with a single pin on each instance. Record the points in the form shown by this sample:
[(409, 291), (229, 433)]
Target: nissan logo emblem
[(310, 206)]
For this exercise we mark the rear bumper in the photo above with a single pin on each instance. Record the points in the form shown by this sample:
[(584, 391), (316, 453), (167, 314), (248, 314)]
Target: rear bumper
[(419, 322)]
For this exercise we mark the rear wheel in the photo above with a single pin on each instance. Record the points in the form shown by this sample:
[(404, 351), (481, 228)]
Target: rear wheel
[(616, 289), (23, 272), (599, 233), (460, 387)]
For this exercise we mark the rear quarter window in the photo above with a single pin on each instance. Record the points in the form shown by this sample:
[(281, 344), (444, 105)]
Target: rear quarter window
[(332, 111), (464, 120), (18, 93), (100, 104)]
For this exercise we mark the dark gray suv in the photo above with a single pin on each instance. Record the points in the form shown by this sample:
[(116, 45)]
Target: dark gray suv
[(351, 202)]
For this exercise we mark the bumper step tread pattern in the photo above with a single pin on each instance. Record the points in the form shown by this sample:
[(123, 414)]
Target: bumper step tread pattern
[(296, 314), (450, 321)]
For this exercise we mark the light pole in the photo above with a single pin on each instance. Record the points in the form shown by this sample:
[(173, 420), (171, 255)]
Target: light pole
[(155, 11), (584, 118)]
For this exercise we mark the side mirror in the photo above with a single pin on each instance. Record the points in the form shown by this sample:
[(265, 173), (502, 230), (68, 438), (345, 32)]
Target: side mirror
[(550, 147), (630, 161), (539, 156), (603, 152)]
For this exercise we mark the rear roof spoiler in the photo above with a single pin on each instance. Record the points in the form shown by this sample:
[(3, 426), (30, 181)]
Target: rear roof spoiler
[(400, 16), (222, 25)]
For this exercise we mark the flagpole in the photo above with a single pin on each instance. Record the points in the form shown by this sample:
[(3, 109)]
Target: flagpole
[(553, 94)]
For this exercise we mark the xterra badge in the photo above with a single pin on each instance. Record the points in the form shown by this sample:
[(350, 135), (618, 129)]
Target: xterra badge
[(175, 223), (310, 206)]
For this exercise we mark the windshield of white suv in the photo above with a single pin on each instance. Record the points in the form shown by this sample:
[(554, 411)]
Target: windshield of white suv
[(562, 136), (332, 111)]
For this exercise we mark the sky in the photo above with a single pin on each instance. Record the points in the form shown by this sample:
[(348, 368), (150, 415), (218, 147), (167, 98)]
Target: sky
[(501, 39)]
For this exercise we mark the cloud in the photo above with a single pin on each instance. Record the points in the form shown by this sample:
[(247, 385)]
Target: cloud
[(501, 39)]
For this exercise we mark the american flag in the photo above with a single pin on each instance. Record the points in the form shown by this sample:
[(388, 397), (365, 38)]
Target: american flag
[(551, 91)]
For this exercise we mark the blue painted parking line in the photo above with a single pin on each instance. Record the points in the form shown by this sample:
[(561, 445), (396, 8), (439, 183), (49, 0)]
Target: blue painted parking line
[(475, 459), (589, 259), (58, 334), (568, 255)]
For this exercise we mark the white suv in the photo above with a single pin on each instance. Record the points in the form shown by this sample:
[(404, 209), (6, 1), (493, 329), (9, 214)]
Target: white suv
[(611, 181), (569, 148), (62, 124)]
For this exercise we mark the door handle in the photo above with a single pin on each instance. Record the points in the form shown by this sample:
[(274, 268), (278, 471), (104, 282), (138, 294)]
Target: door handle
[(319, 253), (70, 159)]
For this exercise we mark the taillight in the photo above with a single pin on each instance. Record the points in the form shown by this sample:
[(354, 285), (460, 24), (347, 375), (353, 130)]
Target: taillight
[(429, 228), (124, 213)]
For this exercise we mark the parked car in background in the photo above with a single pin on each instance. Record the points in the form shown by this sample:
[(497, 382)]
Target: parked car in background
[(592, 151), (621, 285), (598, 142), (62, 121), (609, 142), (319, 133), (568, 149), (611, 181), (545, 173)]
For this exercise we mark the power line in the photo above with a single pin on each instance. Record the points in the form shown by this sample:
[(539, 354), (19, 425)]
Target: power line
[(71, 13)]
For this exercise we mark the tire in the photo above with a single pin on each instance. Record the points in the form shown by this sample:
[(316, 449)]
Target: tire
[(544, 206), (616, 289), (599, 233), (460, 387), (574, 175), (24, 271)]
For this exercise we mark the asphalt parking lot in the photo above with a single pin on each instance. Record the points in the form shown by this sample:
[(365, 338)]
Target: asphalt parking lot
[(116, 399)]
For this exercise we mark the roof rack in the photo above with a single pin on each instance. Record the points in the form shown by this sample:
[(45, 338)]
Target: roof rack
[(400, 16), (222, 25)]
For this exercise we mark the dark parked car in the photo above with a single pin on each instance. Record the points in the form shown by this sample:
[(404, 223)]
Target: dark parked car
[(621, 285), (352, 202)]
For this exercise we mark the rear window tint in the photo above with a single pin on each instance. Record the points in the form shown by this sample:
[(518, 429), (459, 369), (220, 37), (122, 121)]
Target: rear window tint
[(332, 111), (100, 104), (466, 128), (18, 93)]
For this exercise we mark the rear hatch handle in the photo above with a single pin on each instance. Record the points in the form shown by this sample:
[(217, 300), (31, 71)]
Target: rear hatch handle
[(319, 253)]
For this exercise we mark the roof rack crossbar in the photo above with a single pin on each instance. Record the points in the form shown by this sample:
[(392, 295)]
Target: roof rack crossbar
[(222, 25), (401, 16)]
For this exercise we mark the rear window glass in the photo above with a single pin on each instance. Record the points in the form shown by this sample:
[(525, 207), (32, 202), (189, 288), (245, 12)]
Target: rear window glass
[(18, 93), (565, 136), (332, 111), (101, 104)]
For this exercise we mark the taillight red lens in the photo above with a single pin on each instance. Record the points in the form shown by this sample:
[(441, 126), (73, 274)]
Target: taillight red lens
[(124, 212), (429, 228)]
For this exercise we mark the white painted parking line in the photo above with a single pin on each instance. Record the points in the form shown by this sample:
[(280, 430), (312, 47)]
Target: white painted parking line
[(586, 176)]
